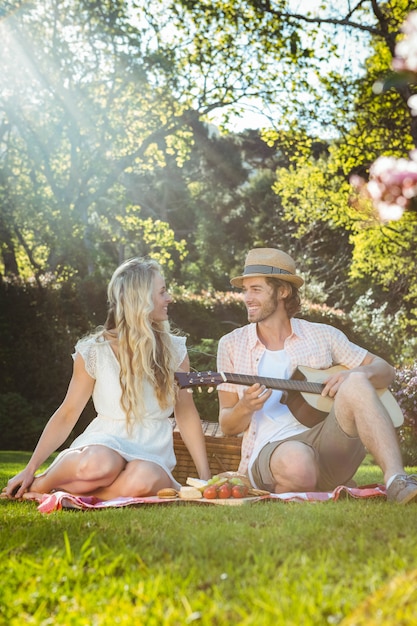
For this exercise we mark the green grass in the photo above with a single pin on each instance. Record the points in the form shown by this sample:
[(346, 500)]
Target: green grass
[(348, 562)]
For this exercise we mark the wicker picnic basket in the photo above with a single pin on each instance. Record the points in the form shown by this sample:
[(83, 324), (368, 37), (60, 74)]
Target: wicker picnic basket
[(223, 452)]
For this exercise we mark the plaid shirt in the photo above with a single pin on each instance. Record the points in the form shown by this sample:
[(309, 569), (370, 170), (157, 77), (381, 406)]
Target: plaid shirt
[(314, 345)]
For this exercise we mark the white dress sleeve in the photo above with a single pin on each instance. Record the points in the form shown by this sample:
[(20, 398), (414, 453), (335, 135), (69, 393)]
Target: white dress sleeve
[(88, 351), (179, 349)]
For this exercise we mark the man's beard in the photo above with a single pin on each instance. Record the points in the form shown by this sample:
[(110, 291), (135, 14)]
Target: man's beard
[(266, 310)]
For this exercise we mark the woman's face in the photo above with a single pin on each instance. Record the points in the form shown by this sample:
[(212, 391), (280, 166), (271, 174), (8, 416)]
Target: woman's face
[(161, 298)]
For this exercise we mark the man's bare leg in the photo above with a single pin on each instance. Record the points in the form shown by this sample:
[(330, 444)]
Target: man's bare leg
[(293, 467), (360, 412)]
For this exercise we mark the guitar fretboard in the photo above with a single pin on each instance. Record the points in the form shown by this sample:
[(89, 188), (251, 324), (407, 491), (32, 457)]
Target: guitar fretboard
[(274, 383)]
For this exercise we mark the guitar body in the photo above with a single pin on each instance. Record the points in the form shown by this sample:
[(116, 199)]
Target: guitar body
[(312, 408)]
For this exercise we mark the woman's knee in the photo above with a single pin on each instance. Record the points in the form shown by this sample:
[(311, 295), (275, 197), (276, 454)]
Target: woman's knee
[(97, 462), (143, 478)]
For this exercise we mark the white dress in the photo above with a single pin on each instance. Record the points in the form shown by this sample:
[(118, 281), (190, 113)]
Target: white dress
[(149, 438)]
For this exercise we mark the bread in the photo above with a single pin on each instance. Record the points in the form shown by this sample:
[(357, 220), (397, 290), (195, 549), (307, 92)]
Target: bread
[(197, 483), (167, 492), (190, 493)]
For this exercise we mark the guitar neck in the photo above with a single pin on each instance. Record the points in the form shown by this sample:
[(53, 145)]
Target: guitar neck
[(274, 383)]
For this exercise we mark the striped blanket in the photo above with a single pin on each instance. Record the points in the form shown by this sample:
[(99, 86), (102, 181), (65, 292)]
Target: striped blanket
[(63, 500)]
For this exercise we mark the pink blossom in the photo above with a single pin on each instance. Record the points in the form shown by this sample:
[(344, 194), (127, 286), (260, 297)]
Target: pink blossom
[(405, 58), (392, 185)]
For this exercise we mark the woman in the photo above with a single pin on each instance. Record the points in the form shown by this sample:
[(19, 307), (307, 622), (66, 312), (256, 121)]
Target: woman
[(128, 368)]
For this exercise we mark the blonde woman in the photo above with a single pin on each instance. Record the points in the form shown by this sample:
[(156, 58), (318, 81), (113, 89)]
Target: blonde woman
[(128, 368)]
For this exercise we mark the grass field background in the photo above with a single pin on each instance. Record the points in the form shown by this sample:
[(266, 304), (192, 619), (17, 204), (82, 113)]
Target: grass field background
[(348, 562)]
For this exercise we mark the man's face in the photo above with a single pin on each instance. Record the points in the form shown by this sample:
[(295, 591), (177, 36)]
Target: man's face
[(260, 299)]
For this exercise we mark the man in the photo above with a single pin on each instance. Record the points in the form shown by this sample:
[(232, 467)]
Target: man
[(279, 453)]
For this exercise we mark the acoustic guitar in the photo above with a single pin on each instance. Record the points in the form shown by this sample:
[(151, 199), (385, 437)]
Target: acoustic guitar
[(302, 391)]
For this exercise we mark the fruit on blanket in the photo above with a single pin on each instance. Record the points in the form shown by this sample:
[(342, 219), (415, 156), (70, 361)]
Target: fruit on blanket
[(236, 478), (223, 486), (225, 491), (239, 491), (217, 480), (210, 492)]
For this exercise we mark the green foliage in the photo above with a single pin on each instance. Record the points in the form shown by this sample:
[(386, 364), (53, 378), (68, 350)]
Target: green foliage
[(314, 202), (405, 391), (39, 330), (381, 122), (42, 327), (207, 315), (84, 111), (385, 330), (387, 254), (344, 248), (106, 152), (316, 196), (149, 237), (19, 427), (107, 104)]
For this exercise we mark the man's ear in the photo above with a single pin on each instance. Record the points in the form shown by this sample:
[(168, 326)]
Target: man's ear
[(284, 291)]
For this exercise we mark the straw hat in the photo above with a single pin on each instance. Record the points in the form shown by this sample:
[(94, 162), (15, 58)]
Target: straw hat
[(268, 262)]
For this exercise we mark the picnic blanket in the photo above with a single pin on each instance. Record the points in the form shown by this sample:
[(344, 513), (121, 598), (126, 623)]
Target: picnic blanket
[(63, 500)]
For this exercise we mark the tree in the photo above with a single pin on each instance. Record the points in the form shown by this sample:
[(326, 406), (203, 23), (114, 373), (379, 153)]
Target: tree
[(104, 132), (94, 108), (378, 258)]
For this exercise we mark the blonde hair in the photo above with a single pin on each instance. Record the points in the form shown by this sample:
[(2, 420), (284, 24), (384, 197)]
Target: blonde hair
[(144, 346)]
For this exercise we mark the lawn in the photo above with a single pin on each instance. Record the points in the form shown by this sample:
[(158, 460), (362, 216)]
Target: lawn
[(347, 562)]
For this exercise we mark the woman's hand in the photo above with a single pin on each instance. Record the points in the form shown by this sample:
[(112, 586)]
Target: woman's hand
[(19, 484)]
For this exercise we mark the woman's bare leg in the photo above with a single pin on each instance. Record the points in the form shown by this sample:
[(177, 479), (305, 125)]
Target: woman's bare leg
[(81, 471), (138, 479)]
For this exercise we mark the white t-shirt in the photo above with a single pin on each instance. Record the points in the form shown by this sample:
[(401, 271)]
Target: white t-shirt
[(274, 421)]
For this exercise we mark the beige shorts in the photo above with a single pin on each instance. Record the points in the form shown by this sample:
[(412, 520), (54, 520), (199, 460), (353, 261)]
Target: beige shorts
[(338, 456)]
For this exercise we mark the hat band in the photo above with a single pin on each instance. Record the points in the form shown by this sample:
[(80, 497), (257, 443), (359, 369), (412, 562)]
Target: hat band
[(264, 269)]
